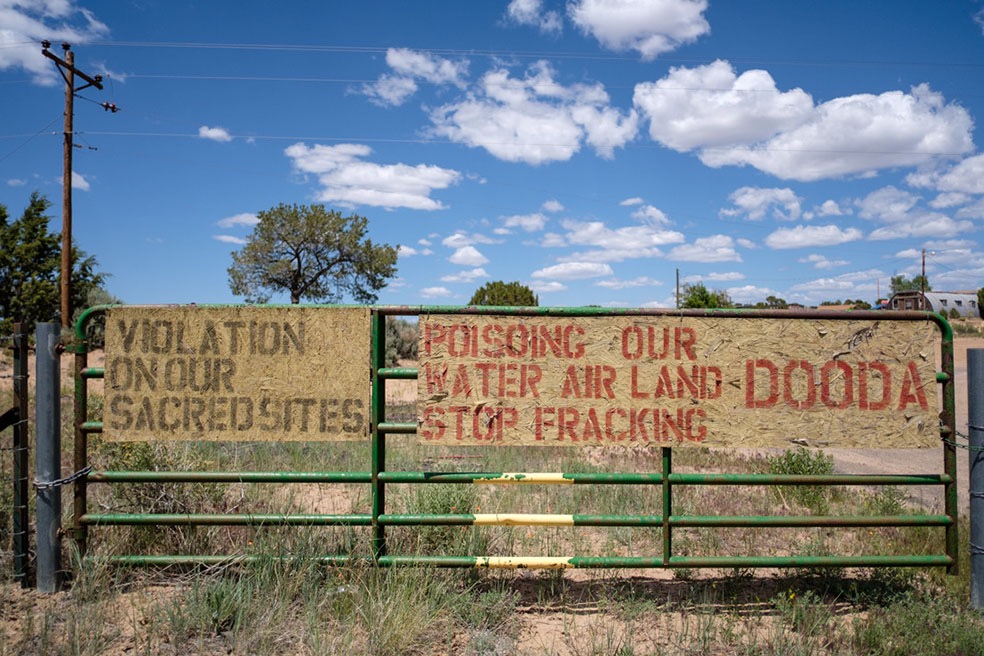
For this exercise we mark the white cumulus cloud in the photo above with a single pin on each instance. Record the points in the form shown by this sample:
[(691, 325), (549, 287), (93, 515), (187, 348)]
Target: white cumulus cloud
[(745, 120), (712, 106), (810, 236), (348, 180), (858, 135), (640, 281), (468, 256), (79, 182), (716, 248), (532, 14), (408, 66), (574, 271), (755, 202), (534, 119), (229, 239), (821, 262), (435, 292), (243, 219), (547, 287), (887, 204), (470, 275), (615, 245), (649, 27), (922, 224), (967, 176), (527, 222), (24, 24), (214, 134)]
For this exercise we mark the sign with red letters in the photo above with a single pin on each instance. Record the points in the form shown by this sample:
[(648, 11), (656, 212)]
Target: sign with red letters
[(677, 381)]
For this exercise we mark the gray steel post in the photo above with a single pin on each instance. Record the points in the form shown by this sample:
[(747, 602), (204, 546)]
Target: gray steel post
[(48, 458), (975, 421)]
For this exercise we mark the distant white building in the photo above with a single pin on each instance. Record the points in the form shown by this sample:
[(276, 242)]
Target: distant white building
[(943, 302)]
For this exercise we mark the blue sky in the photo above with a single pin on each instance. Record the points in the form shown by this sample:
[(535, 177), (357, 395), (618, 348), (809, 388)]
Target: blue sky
[(587, 148)]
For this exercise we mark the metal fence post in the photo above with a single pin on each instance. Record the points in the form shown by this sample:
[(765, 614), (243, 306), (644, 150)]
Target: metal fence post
[(975, 422), (378, 436), (48, 463)]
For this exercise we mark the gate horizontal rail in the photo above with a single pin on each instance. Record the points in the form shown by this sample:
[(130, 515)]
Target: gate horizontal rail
[(511, 519), (549, 562), (532, 478)]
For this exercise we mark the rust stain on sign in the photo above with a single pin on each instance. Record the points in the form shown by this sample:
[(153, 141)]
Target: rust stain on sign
[(674, 381), (237, 373)]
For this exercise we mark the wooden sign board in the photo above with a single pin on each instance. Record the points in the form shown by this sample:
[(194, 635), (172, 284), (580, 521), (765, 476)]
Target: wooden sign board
[(677, 381), (237, 373)]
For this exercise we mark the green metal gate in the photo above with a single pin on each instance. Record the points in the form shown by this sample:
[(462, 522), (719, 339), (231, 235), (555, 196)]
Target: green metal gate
[(666, 481)]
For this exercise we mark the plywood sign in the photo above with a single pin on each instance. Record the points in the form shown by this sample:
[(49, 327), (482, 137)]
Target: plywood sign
[(676, 381), (237, 373)]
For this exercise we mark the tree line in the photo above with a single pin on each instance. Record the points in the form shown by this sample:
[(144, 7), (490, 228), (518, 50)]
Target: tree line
[(306, 252), (30, 270)]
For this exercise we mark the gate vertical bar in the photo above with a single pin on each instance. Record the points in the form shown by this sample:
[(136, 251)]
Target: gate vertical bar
[(667, 506), (949, 425), (975, 442), (48, 458), (80, 532), (378, 437), (20, 518)]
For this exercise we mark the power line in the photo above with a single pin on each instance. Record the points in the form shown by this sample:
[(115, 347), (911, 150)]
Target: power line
[(331, 80), (476, 52), (195, 135), (29, 139)]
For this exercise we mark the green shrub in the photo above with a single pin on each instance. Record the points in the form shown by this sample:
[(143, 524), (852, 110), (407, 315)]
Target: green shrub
[(963, 327), (919, 624), (805, 462), (401, 340), (445, 499), (887, 500), (165, 498)]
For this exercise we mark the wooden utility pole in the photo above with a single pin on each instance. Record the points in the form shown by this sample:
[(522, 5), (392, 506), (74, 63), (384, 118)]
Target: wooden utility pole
[(922, 283), (68, 71)]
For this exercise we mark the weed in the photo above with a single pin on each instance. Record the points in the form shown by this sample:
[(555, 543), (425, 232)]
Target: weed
[(170, 498), (818, 545), (963, 327), (805, 462), (887, 500), (489, 610), (920, 624)]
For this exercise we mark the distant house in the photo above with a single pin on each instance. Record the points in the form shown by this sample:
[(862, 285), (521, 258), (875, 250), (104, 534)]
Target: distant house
[(943, 302)]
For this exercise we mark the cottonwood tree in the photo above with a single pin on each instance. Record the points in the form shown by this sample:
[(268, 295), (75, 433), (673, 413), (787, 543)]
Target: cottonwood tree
[(918, 283), (312, 254), (699, 296), (30, 267), (504, 293)]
